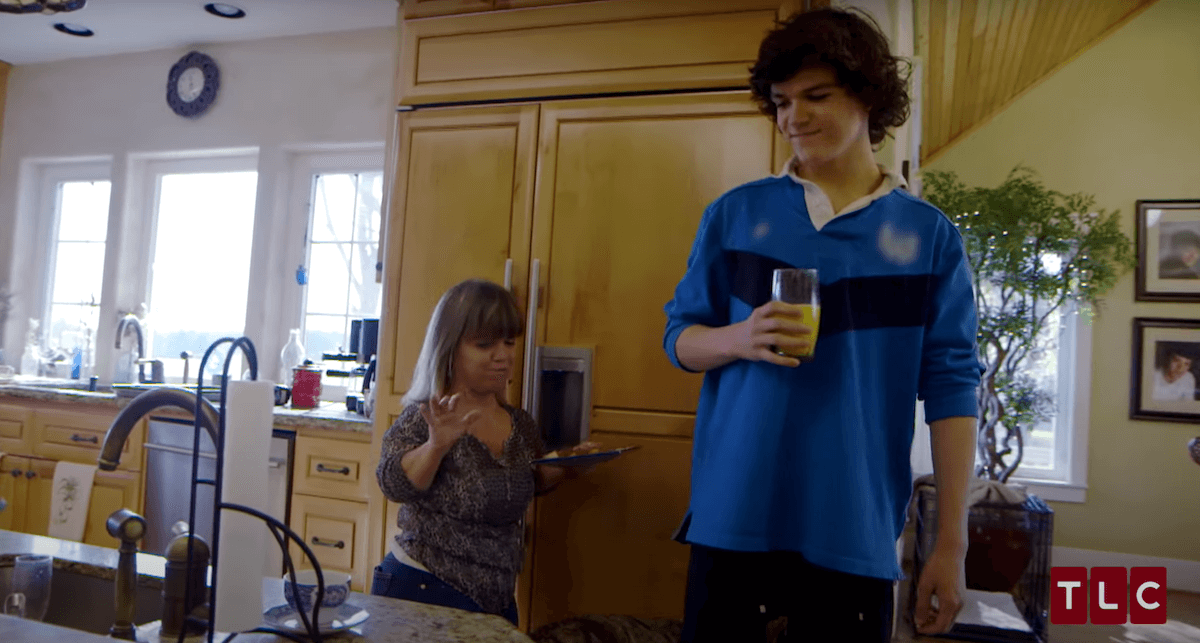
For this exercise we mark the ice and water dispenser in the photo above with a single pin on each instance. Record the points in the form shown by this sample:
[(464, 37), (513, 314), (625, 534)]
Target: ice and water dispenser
[(561, 395)]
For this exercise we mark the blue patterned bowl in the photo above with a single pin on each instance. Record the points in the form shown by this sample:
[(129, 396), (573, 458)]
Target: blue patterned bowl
[(303, 594)]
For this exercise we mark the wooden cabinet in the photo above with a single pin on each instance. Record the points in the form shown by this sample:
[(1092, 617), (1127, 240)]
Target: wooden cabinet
[(331, 482), (608, 204), (429, 8), (111, 490), (570, 48), (16, 429), (76, 436), (602, 544), (464, 194), (27, 484)]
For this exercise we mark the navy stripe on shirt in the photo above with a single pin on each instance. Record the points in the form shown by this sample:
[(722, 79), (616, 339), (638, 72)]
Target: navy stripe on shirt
[(857, 303)]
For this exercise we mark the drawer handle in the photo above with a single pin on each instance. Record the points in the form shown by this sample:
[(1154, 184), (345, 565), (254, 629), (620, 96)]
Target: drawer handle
[(340, 544), (345, 471), (75, 437)]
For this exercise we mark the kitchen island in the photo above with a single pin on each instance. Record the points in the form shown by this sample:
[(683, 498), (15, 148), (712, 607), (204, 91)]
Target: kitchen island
[(391, 620)]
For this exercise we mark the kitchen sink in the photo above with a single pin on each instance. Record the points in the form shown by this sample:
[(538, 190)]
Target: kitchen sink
[(56, 383), (87, 603)]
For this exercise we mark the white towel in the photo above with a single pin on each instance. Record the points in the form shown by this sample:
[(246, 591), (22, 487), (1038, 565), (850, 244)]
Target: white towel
[(72, 495)]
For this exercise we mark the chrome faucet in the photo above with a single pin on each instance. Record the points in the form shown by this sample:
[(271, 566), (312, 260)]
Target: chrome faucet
[(121, 524), (156, 365)]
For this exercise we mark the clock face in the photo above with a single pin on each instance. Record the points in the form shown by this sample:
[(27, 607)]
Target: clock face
[(192, 85)]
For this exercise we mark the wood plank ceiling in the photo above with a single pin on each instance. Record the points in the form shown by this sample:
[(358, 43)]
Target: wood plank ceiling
[(981, 55)]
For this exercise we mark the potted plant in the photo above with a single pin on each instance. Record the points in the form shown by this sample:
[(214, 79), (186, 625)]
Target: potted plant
[(1032, 252)]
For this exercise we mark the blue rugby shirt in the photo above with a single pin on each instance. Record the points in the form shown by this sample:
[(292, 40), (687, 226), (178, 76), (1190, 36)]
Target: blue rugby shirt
[(815, 459)]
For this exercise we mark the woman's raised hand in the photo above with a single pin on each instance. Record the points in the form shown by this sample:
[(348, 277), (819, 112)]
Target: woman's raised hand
[(447, 420)]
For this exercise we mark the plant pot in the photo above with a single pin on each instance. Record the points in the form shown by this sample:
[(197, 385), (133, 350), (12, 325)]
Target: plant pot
[(996, 558)]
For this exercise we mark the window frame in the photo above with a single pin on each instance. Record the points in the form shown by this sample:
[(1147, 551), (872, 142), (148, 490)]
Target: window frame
[(1071, 452), (50, 176), (304, 166)]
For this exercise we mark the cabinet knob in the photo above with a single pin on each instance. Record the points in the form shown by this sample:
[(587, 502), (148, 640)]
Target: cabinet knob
[(31, 474), (3, 504), (16, 473)]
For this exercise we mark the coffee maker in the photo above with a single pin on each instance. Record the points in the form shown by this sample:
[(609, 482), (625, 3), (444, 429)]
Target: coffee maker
[(364, 341)]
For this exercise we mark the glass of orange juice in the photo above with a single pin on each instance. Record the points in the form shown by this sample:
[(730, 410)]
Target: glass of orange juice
[(799, 286)]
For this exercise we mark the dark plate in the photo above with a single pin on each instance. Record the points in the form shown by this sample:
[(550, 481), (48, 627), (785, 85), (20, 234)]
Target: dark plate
[(585, 460)]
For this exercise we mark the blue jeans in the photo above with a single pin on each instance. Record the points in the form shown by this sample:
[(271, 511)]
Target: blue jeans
[(397, 580)]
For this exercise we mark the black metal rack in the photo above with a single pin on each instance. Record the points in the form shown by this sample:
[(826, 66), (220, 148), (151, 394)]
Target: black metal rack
[(1001, 535), (280, 531)]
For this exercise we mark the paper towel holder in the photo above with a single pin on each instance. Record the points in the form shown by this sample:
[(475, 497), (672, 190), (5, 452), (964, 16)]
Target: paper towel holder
[(278, 529)]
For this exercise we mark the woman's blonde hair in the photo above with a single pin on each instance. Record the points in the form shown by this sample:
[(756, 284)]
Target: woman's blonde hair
[(475, 309)]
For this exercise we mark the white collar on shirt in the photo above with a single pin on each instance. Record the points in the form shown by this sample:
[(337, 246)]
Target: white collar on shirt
[(820, 209)]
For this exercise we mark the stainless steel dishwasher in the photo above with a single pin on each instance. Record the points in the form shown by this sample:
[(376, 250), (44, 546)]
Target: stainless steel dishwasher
[(168, 494)]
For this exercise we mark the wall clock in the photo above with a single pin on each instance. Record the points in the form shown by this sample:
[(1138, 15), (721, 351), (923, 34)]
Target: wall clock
[(192, 84)]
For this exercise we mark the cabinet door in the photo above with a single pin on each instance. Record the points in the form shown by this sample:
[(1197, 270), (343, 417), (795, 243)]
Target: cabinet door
[(13, 492), (111, 490), (39, 493), (602, 543), (461, 209), (621, 187), (336, 532)]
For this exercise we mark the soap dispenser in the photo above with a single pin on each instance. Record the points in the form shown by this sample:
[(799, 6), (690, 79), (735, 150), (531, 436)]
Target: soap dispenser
[(182, 580)]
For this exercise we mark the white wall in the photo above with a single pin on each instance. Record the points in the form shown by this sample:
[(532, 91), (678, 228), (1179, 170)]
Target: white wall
[(276, 96)]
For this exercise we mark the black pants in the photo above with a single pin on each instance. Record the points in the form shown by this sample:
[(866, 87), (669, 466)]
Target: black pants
[(734, 596)]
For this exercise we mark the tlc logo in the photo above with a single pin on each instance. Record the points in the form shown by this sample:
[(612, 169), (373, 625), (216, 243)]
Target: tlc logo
[(1108, 595)]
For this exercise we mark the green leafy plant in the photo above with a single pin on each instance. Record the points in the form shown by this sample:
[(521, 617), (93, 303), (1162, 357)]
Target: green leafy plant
[(1033, 252)]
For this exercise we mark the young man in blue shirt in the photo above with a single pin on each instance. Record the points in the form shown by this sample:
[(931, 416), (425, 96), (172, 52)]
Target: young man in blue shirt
[(800, 472)]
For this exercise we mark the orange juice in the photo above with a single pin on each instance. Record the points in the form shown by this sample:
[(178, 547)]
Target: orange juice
[(811, 319)]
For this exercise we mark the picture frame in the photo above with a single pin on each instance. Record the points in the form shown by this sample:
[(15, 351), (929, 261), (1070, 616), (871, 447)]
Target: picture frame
[(1165, 379), (1168, 251)]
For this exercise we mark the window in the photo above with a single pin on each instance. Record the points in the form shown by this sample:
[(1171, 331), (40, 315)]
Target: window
[(342, 251), (77, 260), (1054, 465), (199, 279)]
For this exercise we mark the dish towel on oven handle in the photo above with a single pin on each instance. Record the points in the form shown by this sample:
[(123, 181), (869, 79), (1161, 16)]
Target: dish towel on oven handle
[(72, 494)]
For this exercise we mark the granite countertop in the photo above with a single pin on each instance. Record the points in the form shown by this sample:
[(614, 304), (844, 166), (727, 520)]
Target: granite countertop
[(330, 416), (391, 620)]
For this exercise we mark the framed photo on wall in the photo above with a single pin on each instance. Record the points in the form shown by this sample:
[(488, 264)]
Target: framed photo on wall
[(1165, 383), (1168, 246)]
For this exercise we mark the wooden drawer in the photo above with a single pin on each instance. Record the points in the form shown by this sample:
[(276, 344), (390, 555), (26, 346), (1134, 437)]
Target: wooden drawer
[(332, 468), (336, 532), (76, 437), (16, 429)]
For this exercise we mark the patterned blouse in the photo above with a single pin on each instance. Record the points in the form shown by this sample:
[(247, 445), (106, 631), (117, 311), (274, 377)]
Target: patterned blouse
[(467, 528)]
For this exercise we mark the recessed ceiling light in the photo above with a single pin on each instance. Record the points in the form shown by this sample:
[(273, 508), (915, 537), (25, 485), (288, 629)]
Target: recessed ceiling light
[(74, 30), (224, 10)]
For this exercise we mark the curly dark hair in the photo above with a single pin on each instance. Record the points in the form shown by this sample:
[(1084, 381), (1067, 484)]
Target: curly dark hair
[(850, 42)]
